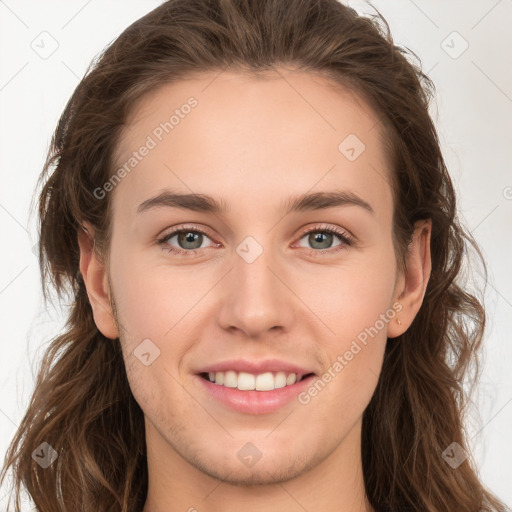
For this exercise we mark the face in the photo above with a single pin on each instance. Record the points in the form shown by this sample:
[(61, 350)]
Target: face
[(312, 287)]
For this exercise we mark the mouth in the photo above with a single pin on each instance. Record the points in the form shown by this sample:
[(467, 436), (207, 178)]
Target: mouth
[(243, 381), (252, 401), (239, 394)]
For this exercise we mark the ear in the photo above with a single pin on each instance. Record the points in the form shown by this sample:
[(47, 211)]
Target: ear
[(95, 278), (410, 287)]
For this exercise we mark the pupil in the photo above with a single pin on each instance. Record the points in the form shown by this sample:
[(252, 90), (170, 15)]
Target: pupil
[(189, 238), (319, 237)]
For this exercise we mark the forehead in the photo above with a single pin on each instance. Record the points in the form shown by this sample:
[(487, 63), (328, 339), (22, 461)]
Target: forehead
[(239, 136)]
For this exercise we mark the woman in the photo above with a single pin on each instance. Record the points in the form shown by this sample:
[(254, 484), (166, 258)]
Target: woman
[(259, 369)]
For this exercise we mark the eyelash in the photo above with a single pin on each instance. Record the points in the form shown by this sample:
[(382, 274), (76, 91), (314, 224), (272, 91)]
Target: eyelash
[(345, 238)]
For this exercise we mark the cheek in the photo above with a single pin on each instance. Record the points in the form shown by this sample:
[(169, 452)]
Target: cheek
[(156, 301), (347, 297), (355, 304), (351, 297)]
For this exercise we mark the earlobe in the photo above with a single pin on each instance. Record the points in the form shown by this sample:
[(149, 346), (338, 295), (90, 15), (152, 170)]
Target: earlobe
[(95, 278), (411, 287)]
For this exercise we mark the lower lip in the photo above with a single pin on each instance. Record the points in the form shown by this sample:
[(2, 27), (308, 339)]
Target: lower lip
[(255, 402)]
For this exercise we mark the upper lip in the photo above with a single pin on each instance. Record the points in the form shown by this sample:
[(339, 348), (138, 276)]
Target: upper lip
[(256, 367)]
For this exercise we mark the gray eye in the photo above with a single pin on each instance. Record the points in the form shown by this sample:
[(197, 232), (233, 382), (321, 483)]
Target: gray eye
[(189, 239), (324, 240)]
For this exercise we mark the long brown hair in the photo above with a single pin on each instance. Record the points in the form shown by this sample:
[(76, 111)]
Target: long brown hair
[(82, 405)]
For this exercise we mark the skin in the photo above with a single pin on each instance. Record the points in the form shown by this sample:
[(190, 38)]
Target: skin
[(253, 142)]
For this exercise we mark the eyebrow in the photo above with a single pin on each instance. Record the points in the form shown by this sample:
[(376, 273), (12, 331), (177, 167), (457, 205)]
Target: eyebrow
[(302, 203)]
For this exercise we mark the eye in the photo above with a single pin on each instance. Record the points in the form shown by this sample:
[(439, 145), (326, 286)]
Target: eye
[(321, 238), (189, 239)]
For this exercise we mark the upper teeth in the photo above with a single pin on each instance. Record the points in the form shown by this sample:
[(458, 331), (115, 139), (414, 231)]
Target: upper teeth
[(247, 381)]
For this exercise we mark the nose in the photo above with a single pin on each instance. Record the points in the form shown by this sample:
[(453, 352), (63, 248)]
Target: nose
[(255, 296)]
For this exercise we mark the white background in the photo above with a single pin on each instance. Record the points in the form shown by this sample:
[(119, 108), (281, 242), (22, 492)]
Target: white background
[(473, 112)]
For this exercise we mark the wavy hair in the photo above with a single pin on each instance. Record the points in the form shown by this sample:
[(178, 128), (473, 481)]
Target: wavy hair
[(82, 404)]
